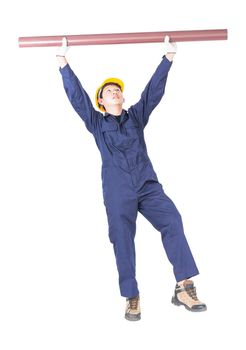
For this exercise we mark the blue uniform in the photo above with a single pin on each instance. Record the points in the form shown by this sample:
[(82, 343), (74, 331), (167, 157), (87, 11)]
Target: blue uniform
[(130, 184)]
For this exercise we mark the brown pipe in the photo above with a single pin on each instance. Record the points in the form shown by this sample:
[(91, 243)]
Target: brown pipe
[(124, 38)]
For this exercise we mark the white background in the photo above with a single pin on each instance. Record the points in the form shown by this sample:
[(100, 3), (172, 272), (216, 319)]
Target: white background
[(58, 280)]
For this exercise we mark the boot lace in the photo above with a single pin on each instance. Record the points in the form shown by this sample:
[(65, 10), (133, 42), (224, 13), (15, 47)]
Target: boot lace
[(133, 303), (191, 291)]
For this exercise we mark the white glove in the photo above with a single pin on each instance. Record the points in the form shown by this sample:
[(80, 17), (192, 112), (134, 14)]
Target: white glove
[(62, 50), (169, 47)]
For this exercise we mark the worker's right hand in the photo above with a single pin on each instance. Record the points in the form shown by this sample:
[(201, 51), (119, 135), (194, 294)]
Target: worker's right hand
[(63, 49), (169, 47)]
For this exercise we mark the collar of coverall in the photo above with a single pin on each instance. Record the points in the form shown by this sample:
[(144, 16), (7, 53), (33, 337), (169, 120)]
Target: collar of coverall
[(106, 114)]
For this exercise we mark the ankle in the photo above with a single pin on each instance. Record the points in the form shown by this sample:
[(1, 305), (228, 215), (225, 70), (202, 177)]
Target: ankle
[(181, 283)]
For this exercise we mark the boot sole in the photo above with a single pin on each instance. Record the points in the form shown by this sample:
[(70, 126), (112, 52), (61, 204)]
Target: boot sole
[(176, 302), (133, 317)]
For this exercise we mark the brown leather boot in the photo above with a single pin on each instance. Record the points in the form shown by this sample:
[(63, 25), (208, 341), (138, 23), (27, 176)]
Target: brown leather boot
[(185, 294), (133, 312)]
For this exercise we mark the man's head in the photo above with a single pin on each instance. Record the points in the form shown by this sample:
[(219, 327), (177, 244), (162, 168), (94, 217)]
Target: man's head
[(110, 94)]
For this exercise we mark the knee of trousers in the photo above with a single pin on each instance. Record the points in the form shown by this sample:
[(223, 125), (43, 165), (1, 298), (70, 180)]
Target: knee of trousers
[(122, 236), (121, 224), (120, 231), (174, 224)]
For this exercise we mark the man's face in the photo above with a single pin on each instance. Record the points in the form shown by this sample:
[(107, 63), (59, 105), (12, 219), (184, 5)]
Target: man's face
[(111, 96)]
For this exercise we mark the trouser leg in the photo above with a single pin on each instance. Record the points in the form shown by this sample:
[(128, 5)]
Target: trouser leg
[(122, 229), (157, 208)]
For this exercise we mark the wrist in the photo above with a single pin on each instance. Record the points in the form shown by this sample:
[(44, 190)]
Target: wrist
[(170, 56), (61, 61)]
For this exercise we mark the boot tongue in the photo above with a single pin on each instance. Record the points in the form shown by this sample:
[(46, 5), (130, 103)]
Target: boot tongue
[(188, 283)]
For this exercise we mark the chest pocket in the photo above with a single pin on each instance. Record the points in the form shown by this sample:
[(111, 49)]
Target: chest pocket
[(121, 137), (132, 129), (109, 127), (131, 124)]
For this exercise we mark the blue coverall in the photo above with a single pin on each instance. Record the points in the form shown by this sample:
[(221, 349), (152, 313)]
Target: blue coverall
[(129, 181)]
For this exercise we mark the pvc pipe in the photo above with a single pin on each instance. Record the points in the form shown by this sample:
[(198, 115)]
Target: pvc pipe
[(124, 38)]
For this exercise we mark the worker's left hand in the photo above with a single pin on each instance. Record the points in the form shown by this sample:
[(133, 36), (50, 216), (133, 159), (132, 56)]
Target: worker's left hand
[(169, 47), (63, 49)]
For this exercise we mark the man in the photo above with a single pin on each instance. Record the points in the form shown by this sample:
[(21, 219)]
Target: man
[(129, 181)]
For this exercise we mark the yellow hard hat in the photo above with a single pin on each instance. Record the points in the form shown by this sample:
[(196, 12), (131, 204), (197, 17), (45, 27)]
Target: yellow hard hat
[(107, 81)]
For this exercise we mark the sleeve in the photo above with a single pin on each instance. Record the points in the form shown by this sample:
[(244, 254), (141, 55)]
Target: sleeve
[(152, 93), (79, 98)]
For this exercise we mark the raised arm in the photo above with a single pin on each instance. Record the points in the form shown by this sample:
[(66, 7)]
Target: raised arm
[(155, 88), (76, 94)]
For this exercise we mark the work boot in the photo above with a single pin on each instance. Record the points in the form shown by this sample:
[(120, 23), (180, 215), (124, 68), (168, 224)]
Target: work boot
[(185, 294), (133, 312)]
